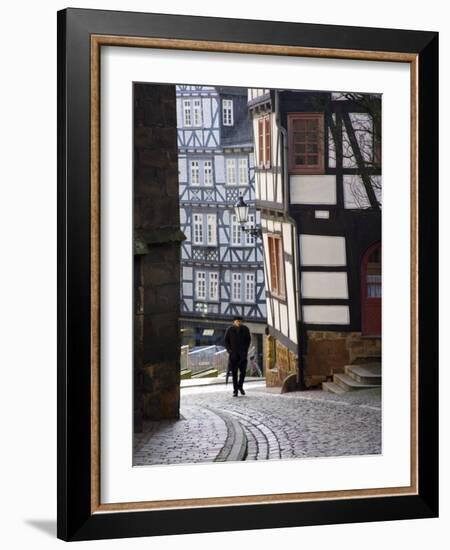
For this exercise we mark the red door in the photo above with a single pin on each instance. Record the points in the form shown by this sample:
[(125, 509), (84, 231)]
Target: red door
[(371, 291)]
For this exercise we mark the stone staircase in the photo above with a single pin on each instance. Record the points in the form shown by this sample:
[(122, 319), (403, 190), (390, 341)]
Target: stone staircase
[(360, 376)]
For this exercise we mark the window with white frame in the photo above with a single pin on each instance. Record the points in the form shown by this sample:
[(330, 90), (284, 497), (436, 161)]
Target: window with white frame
[(187, 116), (249, 287), (211, 229), (249, 238), (238, 237), (237, 171), (192, 112), (207, 172), (201, 172), (200, 285), (227, 112), (195, 172), (235, 231), (198, 229), (204, 229), (207, 286), (243, 171), (236, 287), (197, 108), (213, 286), (231, 171)]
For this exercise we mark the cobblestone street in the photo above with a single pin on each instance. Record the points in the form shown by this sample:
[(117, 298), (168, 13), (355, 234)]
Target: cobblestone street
[(263, 424)]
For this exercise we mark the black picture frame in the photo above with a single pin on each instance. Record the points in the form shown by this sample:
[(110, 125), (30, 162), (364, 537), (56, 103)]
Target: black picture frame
[(76, 520)]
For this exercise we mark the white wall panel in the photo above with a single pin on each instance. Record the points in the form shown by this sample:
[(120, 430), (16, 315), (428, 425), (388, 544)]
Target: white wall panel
[(313, 189), (284, 320), (324, 285), (287, 237), (187, 289), (219, 168), (322, 250), (326, 315), (206, 112)]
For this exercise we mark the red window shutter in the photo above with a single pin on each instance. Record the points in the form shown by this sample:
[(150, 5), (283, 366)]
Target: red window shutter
[(267, 144), (273, 265), (260, 142), (280, 270)]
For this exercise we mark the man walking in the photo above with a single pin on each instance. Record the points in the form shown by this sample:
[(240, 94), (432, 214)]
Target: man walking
[(237, 342)]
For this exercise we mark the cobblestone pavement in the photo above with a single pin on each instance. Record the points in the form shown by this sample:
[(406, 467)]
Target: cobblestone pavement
[(272, 426)]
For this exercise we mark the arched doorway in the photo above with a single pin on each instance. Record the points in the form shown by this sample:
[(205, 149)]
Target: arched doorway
[(371, 291)]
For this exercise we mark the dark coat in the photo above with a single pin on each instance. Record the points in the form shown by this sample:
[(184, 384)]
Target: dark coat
[(237, 341)]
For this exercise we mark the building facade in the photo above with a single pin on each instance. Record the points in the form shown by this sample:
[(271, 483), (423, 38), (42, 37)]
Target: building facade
[(221, 266), (318, 188)]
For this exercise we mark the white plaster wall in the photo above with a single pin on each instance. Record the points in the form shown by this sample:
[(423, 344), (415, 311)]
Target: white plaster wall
[(287, 237), (324, 285), (326, 315), (313, 189), (322, 250), (284, 320)]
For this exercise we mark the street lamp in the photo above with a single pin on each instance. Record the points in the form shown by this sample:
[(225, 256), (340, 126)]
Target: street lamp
[(241, 211)]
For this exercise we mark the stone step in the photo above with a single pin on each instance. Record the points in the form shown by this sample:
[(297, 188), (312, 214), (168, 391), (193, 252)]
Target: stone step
[(366, 374), (331, 387), (349, 384)]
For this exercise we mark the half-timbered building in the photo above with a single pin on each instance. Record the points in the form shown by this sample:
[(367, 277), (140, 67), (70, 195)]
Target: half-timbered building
[(222, 270), (318, 188)]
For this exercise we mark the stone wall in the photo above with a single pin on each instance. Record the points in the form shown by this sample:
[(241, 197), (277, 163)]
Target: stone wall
[(328, 353), (157, 254), (280, 362)]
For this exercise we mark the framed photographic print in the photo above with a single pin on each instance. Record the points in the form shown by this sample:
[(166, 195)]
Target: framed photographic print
[(247, 274)]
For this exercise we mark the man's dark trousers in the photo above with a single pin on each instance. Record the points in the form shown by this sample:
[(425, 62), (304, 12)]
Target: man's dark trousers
[(238, 364)]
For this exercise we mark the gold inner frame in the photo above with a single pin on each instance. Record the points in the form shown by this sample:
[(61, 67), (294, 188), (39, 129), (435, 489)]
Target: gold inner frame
[(97, 41)]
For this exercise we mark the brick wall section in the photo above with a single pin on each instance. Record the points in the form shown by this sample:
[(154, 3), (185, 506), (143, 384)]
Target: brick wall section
[(157, 262)]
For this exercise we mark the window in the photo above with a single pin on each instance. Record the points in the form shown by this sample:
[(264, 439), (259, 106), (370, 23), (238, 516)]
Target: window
[(207, 286), (195, 172), (237, 235), (237, 168), (204, 229), (306, 147), (201, 172), (200, 285), (207, 172), (214, 286), (276, 262), (227, 112), (249, 287), (250, 239), (243, 171), (236, 287), (374, 274), (231, 171), (211, 225), (264, 142), (198, 229), (197, 104), (243, 292), (187, 119), (235, 231), (192, 112)]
